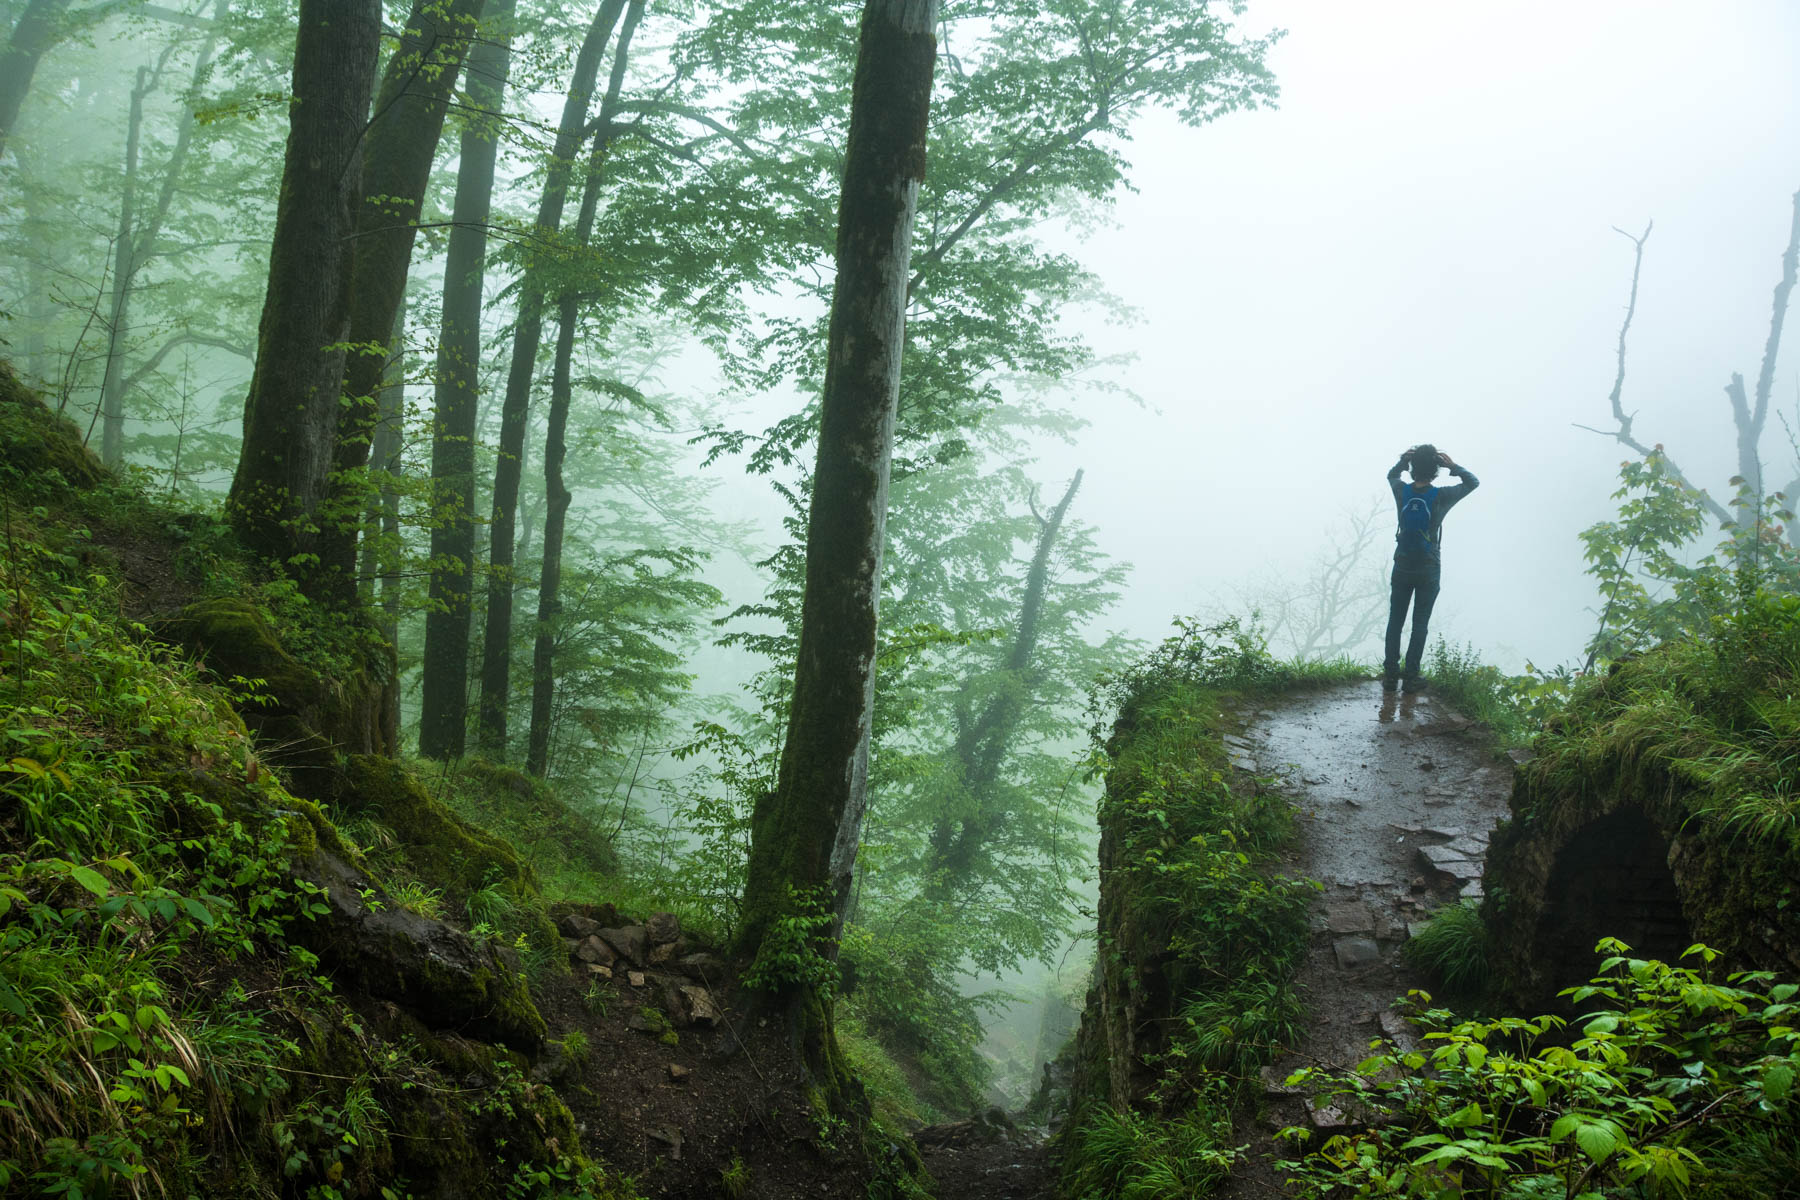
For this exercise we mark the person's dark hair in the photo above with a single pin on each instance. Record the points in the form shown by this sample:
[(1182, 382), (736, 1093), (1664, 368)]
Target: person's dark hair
[(1423, 462)]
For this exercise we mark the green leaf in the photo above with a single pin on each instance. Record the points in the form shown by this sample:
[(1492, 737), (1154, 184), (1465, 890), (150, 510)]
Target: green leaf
[(1778, 1082), (91, 879)]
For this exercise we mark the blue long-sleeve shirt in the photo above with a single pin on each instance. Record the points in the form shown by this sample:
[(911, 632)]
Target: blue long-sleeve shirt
[(1446, 500)]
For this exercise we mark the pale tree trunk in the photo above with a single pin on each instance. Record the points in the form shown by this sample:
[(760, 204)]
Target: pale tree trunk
[(378, 573), (290, 415), (804, 834), (556, 493), (983, 741), (444, 689), (398, 150), (496, 655), (112, 398), (35, 32), (135, 242), (1749, 413)]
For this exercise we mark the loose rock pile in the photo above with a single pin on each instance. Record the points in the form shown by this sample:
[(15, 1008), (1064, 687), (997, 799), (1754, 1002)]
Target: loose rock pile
[(674, 973)]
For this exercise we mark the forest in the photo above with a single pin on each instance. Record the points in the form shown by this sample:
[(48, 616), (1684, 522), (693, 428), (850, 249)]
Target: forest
[(586, 606)]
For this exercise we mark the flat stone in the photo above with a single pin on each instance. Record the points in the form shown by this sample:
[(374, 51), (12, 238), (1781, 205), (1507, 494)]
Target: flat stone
[(1472, 890), (1355, 953), (1520, 755), (596, 971), (1436, 856), (701, 1008), (1326, 1116), (662, 955), (1462, 870), (1469, 846), (1398, 1031), (635, 978), (1443, 831), (577, 926), (678, 1073), (700, 965), (595, 950), (662, 928), (630, 941), (1243, 762), (1235, 742), (669, 1137), (1349, 917)]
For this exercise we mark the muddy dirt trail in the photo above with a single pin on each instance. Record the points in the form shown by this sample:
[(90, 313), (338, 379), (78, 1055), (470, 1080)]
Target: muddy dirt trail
[(1395, 796)]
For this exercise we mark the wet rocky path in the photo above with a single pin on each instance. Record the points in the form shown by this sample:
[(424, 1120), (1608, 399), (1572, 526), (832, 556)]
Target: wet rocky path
[(1395, 797)]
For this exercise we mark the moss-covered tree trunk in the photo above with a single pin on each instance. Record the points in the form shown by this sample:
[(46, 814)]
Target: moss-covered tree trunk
[(444, 689), (291, 414), (556, 493), (509, 466), (34, 32), (804, 834), (398, 150)]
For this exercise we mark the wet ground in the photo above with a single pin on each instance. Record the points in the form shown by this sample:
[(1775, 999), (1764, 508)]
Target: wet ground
[(1396, 795)]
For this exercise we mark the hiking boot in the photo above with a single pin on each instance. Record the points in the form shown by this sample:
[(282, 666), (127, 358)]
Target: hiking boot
[(1414, 683), (1389, 681)]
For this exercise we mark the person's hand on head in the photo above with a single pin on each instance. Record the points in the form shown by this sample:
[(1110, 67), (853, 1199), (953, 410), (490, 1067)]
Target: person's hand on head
[(1445, 459)]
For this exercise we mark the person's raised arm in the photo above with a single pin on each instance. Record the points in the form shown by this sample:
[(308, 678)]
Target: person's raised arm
[(1469, 482)]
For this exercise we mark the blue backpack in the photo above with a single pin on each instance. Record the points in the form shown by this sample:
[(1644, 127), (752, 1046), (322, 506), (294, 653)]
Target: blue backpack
[(1415, 522)]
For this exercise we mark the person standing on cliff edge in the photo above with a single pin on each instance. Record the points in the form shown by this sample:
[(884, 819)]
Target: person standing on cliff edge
[(1420, 508)]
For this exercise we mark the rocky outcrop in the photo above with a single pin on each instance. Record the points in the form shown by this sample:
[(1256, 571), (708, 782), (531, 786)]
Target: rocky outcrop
[(448, 979), (1612, 835)]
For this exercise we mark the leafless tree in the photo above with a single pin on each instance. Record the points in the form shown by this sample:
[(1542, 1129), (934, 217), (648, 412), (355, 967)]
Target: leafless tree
[(1749, 411)]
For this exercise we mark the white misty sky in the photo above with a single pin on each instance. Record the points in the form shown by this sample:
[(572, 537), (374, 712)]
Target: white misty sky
[(1416, 245)]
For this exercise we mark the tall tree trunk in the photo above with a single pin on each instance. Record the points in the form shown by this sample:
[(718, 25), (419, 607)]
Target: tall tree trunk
[(377, 574), (112, 394), (982, 743), (34, 33), (496, 650), (1750, 413), (444, 690), (136, 241), (556, 494), (290, 416), (398, 151), (804, 834)]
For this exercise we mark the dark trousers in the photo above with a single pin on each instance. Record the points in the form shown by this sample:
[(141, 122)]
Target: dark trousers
[(1415, 583)]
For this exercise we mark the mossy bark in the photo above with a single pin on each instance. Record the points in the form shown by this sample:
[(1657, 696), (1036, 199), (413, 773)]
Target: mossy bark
[(804, 834), (397, 152), (283, 477), (444, 688)]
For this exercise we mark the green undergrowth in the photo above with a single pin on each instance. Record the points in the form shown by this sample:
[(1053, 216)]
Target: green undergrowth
[(1717, 713), (1513, 707), (164, 1031), (1673, 1082), (1201, 931), (1452, 948)]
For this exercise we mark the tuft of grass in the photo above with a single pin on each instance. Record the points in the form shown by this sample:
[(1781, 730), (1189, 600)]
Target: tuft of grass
[(1136, 1156), (734, 1180), (1453, 948)]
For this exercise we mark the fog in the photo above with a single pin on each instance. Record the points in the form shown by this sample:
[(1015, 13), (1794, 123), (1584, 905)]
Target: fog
[(1417, 245)]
